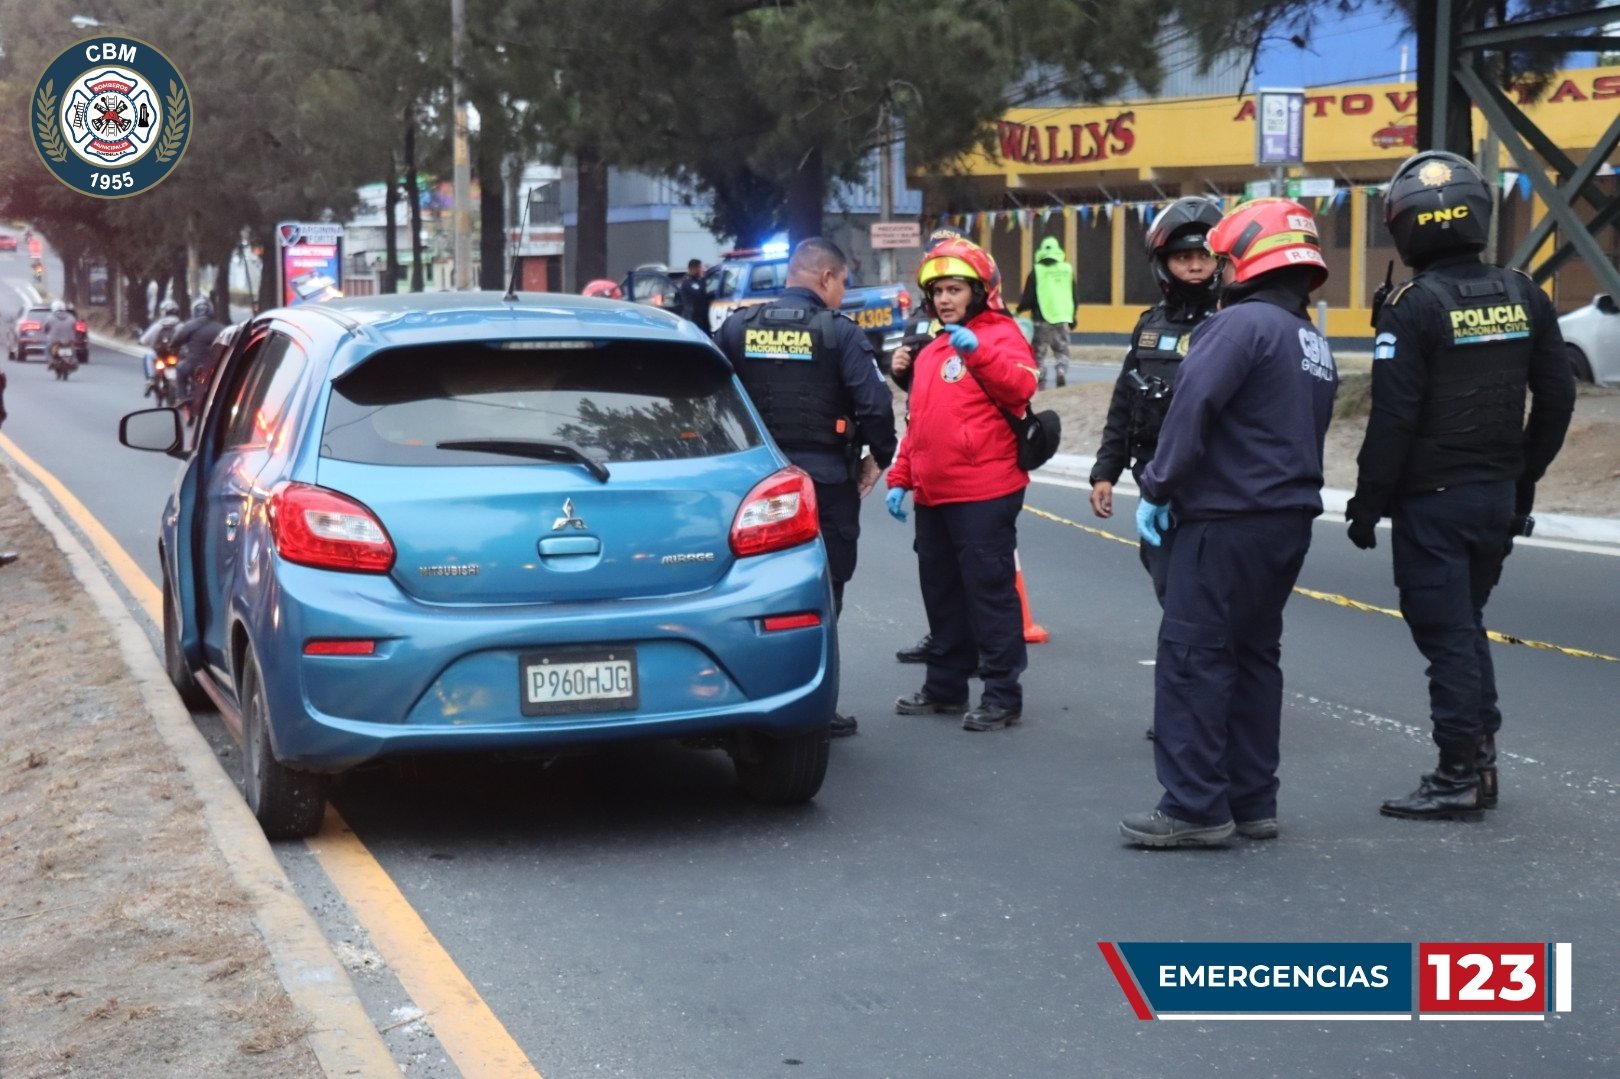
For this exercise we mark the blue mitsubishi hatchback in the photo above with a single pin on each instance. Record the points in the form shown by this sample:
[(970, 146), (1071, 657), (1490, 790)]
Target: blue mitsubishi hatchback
[(460, 521)]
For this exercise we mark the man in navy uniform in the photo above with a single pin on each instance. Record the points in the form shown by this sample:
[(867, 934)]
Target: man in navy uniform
[(1450, 457), (1238, 474), (813, 376)]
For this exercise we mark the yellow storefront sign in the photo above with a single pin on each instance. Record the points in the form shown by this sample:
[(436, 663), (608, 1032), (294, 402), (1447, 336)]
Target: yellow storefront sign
[(1352, 123)]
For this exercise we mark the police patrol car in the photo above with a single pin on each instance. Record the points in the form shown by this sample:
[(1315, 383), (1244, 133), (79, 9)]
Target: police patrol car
[(751, 276)]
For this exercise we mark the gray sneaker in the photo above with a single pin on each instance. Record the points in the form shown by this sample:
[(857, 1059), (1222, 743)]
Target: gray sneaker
[(1263, 828), (1156, 829)]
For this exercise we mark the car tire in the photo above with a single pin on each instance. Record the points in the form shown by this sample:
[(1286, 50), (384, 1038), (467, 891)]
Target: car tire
[(287, 803), (782, 771), (1578, 363), (174, 658)]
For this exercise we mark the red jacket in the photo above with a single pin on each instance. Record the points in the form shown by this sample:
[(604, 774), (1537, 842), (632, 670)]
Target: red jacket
[(958, 447)]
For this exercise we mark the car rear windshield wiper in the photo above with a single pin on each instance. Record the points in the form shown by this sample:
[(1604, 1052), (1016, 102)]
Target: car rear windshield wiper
[(547, 449)]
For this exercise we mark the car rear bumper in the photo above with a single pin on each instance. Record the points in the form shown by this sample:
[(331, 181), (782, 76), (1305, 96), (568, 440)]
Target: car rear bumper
[(448, 679)]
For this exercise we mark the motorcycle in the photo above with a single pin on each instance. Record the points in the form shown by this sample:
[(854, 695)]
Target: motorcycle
[(162, 386), (39, 270), (63, 363)]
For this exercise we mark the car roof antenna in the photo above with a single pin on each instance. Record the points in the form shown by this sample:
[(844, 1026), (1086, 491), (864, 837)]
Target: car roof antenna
[(523, 232)]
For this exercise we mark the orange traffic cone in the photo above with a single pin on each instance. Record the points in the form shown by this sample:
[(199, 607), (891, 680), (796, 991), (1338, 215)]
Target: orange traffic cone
[(1034, 632)]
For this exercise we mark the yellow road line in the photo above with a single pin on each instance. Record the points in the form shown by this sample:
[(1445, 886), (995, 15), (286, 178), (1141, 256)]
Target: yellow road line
[(1353, 604), (461, 1020), (463, 1023), (147, 594)]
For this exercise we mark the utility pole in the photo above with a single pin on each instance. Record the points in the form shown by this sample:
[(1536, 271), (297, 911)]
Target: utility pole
[(460, 218), (886, 195)]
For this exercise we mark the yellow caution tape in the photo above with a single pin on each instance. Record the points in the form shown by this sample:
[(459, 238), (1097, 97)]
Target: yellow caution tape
[(1345, 601)]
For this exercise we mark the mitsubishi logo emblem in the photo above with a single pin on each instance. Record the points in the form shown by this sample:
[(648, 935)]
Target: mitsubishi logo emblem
[(568, 520)]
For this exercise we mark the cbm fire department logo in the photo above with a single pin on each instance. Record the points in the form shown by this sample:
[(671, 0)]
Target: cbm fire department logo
[(112, 117)]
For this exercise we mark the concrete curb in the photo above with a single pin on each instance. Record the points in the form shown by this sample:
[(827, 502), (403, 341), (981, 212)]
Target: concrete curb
[(341, 1036), (1602, 533)]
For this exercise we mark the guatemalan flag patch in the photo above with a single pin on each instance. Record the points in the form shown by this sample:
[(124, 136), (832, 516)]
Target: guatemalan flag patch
[(1384, 346)]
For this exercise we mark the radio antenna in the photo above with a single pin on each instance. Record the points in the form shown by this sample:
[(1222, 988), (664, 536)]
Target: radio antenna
[(523, 231)]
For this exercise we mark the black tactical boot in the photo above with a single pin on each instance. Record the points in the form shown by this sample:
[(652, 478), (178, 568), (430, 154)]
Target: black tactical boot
[(1485, 762), (1450, 792), (917, 653)]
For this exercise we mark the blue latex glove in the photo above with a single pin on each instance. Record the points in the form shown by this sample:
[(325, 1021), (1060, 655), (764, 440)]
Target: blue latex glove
[(1152, 521), (963, 339), (896, 500)]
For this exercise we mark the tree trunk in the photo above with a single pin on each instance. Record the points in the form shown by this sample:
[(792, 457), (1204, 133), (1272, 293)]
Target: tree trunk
[(222, 285), (390, 275), (806, 195), (491, 214), (136, 310), (590, 233), (269, 269), (413, 193), (177, 277)]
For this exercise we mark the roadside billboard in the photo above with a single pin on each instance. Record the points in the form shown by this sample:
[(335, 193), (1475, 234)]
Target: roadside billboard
[(311, 261)]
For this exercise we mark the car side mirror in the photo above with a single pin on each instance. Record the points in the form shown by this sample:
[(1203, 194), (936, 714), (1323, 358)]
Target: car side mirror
[(1606, 304), (157, 430)]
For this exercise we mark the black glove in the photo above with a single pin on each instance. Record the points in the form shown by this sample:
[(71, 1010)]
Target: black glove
[(1523, 525), (1362, 532)]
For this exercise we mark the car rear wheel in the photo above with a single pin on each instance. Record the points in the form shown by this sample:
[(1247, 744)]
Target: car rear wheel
[(782, 771), (1578, 363), (174, 658), (287, 803)]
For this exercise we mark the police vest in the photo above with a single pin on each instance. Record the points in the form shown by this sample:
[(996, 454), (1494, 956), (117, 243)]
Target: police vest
[(1159, 346), (790, 368), (1472, 420)]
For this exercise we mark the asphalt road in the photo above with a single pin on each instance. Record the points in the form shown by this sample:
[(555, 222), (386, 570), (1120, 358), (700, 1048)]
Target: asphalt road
[(936, 911)]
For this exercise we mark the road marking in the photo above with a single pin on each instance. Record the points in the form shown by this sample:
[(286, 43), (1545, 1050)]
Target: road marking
[(1353, 604), (1575, 546), (461, 1020)]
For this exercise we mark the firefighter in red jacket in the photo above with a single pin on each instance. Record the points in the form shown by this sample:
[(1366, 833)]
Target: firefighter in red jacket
[(960, 462)]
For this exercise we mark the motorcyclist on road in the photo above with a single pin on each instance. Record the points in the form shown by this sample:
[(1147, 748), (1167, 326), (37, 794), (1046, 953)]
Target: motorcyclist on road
[(59, 334), (191, 343), (158, 338)]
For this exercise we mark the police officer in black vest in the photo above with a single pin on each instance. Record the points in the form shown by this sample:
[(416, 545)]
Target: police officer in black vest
[(1450, 458), (1178, 252), (812, 374)]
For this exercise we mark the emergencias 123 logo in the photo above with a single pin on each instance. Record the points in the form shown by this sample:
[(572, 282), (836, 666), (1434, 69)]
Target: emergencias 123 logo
[(112, 117)]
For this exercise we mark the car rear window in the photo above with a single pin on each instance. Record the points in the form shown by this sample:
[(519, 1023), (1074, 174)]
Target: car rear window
[(619, 402)]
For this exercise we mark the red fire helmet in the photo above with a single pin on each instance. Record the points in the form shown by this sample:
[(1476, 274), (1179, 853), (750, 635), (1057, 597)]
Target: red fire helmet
[(1268, 234)]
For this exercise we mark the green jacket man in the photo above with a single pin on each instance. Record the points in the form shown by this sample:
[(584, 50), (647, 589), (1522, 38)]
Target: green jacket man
[(1049, 296)]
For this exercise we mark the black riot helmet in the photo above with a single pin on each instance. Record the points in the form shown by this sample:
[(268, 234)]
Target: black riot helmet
[(1437, 203), (1183, 226)]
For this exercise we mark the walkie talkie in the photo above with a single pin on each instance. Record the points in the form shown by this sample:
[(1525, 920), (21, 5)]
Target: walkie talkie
[(1382, 292)]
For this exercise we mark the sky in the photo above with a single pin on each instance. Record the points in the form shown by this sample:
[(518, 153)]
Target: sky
[(1361, 47)]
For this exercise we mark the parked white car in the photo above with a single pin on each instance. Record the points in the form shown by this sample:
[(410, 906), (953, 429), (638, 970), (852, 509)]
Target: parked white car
[(1592, 335)]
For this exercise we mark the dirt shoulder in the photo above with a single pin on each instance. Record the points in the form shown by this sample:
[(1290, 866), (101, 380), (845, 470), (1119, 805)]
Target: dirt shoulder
[(129, 948), (1583, 481)]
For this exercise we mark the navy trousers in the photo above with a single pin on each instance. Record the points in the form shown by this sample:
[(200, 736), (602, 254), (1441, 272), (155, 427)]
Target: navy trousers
[(1217, 706), (1449, 546), (838, 508), (965, 557)]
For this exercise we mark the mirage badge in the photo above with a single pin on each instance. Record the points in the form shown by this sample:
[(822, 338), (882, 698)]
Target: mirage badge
[(111, 117)]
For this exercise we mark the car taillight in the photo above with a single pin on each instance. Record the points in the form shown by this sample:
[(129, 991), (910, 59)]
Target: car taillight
[(775, 623), (316, 527), (29, 327), (780, 512), (905, 302), (79, 326)]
